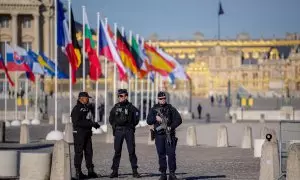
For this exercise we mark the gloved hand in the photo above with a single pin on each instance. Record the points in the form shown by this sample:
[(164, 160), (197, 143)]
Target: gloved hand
[(96, 125), (158, 119)]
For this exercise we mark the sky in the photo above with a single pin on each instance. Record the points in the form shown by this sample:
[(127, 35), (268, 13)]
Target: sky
[(180, 19)]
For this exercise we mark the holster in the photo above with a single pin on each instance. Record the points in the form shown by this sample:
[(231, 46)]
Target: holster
[(152, 133)]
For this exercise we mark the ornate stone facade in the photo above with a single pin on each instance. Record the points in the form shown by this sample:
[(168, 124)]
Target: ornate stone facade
[(28, 23), (259, 66)]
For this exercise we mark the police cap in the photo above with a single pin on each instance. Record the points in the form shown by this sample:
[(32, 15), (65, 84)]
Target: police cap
[(161, 94), (122, 91), (84, 94)]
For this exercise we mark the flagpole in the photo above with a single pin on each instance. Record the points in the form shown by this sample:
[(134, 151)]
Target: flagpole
[(136, 82), (5, 89), (105, 82), (55, 135), (142, 90), (26, 97), (97, 83), (129, 79), (70, 67), (152, 93), (128, 72), (83, 48), (157, 83), (115, 68), (16, 97), (148, 86)]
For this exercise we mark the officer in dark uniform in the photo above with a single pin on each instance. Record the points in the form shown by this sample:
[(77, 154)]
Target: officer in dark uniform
[(165, 146), (123, 118), (82, 119)]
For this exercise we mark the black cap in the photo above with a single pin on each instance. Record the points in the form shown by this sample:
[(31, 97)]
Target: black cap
[(122, 91), (161, 94), (83, 94)]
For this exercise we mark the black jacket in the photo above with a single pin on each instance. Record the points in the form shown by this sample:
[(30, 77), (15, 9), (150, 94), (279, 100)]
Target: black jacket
[(134, 114), (174, 118), (81, 121)]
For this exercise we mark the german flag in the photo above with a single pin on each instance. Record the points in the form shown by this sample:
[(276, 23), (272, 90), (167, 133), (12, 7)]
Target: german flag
[(125, 53), (74, 41)]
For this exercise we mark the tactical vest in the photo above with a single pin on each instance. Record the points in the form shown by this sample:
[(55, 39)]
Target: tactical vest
[(166, 111), (122, 115)]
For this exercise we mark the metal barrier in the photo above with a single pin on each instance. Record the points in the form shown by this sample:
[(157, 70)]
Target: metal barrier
[(289, 131)]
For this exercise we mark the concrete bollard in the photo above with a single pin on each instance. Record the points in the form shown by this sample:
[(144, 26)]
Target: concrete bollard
[(61, 164), (109, 135), (150, 141), (269, 161), (222, 137), (293, 162), (247, 139), (68, 133), (35, 166), (51, 119), (8, 164), (234, 118), (191, 136), (258, 146), (266, 131), (15, 123), (2, 131), (65, 118), (24, 134), (262, 118)]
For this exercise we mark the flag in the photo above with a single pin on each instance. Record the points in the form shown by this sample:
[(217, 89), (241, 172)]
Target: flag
[(178, 71), (64, 39), (16, 61), (158, 63), (2, 66), (95, 66), (126, 56), (221, 11), (40, 60), (33, 63), (50, 68), (146, 61), (136, 52), (107, 49), (74, 41)]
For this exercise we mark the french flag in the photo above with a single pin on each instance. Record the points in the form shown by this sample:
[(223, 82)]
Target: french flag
[(16, 61), (107, 49)]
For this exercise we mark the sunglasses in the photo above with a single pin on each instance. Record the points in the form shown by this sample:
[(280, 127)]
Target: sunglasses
[(161, 98), (120, 96)]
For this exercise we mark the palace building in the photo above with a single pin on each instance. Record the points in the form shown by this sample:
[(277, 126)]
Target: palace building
[(259, 66)]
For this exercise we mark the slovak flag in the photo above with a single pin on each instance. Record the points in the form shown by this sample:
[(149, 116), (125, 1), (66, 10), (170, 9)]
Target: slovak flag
[(17, 61)]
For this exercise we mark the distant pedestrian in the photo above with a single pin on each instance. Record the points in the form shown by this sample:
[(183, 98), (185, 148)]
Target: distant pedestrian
[(199, 108)]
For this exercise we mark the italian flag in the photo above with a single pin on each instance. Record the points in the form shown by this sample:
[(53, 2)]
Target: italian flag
[(90, 49)]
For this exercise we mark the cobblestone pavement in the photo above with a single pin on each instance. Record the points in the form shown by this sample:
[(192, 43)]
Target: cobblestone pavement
[(193, 162)]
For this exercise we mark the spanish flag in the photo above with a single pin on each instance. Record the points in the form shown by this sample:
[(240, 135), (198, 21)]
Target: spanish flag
[(74, 41), (158, 63)]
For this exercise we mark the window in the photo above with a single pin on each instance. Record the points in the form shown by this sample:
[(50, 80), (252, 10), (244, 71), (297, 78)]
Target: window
[(4, 22), (245, 79), (26, 22), (229, 63), (27, 45), (255, 79), (2, 47), (218, 63)]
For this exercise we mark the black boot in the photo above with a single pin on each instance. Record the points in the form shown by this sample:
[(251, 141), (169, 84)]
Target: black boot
[(163, 176), (114, 174), (172, 176), (80, 175), (135, 173), (91, 173)]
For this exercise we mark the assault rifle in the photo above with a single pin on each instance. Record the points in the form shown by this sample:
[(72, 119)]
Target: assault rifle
[(164, 126)]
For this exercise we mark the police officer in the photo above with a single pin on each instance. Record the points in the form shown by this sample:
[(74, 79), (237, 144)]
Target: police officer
[(82, 115), (123, 118), (165, 146)]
